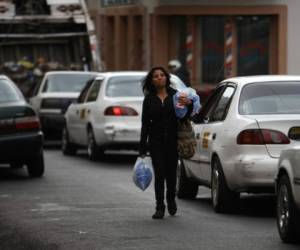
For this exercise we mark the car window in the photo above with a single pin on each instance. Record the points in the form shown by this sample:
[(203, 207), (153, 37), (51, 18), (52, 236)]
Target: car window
[(270, 98), (221, 109), (124, 86), (66, 83), (84, 91), (93, 93), (208, 106), (7, 92)]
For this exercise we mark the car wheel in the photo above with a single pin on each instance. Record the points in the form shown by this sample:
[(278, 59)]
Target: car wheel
[(67, 147), (287, 213), (94, 151), (223, 199), (35, 166), (185, 188)]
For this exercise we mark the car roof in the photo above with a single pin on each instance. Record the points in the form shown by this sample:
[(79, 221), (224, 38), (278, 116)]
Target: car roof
[(66, 72), (243, 80), (124, 73), (4, 77), (120, 73)]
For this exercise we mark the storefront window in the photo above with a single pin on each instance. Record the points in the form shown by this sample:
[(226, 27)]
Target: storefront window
[(178, 26), (212, 48), (253, 45)]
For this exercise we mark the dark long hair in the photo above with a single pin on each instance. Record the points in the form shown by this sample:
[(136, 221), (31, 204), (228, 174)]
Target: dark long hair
[(148, 87)]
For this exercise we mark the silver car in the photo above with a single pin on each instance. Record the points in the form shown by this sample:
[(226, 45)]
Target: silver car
[(107, 114), (54, 94), (288, 193)]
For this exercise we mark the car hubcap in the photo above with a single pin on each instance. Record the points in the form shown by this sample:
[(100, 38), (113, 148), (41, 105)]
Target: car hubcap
[(215, 186), (283, 208), (90, 143), (178, 175), (64, 139)]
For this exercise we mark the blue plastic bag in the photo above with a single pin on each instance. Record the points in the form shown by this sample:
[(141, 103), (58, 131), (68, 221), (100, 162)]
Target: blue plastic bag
[(142, 173), (191, 94)]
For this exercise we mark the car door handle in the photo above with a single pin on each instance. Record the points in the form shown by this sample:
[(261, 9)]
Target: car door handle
[(198, 136), (88, 111), (214, 136)]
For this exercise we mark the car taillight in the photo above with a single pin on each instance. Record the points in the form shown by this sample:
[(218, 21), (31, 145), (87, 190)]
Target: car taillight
[(120, 111), (28, 122), (262, 136)]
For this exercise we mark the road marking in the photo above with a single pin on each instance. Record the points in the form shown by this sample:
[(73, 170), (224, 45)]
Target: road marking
[(50, 207)]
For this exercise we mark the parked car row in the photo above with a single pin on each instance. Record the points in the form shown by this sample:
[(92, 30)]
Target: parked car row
[(247, 132)]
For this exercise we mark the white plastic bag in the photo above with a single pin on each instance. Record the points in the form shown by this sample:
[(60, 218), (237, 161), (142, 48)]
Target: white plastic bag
[(142, 172)]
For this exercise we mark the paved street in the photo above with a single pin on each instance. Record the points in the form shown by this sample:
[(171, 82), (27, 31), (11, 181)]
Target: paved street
[(94, 205)]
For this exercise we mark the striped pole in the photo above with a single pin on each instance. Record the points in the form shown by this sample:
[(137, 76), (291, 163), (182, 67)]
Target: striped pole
[(189, 47), (228, 51)]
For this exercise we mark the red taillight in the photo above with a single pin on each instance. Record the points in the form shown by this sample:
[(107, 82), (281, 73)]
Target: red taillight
[(31, 122), (262, 136), (120, 111)]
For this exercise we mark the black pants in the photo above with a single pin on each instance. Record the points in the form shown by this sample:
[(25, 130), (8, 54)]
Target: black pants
[(164, 160)]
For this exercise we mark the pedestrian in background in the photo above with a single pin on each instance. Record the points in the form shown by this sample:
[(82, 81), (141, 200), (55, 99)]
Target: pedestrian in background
[(176, 68), (159, 131)]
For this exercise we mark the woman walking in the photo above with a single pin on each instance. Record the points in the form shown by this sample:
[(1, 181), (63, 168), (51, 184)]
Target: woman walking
[(159, 131)]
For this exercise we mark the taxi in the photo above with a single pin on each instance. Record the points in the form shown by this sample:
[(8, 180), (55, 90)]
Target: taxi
[(240, 132), (107, 114)]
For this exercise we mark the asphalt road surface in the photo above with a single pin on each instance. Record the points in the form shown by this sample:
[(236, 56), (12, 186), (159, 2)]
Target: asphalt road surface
[(86, 205)]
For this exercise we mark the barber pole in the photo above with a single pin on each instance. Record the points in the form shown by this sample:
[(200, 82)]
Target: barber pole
[(229, 48), (189, 47)]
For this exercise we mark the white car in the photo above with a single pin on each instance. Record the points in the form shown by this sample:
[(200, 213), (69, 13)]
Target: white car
[(56, 91), (288, 193), (107, 114), (240, 132)]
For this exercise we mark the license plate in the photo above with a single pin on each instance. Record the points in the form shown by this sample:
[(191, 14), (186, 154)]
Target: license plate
[(6, 126), (6, 123)]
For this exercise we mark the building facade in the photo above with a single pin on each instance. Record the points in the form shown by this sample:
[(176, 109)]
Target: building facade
[(212, 39)]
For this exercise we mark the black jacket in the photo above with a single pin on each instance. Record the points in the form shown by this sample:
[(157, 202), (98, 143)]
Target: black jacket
[(159, 122)]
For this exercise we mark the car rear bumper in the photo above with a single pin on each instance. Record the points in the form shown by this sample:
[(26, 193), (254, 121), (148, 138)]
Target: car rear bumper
[(52, 121), (118, 137), (20, 147), (252, 174)]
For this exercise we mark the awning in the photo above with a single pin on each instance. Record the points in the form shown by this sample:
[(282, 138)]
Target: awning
[(44, 36)]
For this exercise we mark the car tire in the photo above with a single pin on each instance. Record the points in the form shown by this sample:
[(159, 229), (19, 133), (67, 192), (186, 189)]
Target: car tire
[(94, 151), (287, 213), (185, 188), (67, 147), (223, 199), (35, 166)]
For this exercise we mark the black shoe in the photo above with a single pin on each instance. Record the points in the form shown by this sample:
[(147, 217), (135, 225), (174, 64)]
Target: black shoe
[(172, 208), (159, 214)]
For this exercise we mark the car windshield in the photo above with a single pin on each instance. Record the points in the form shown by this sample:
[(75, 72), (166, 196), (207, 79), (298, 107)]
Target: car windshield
[(7, 92), (270, 98), (125, 86), (66, 83)]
